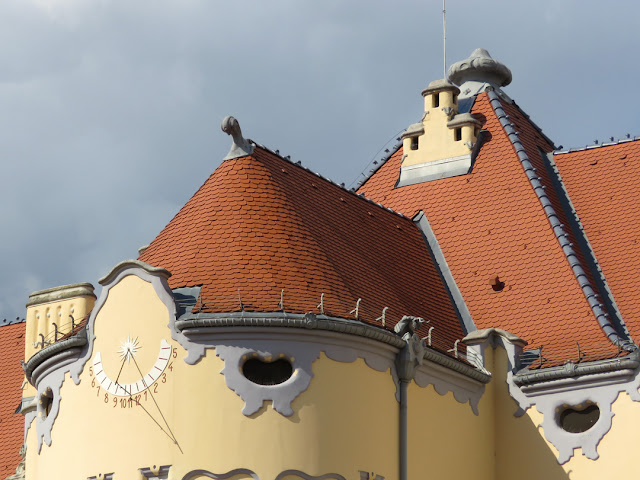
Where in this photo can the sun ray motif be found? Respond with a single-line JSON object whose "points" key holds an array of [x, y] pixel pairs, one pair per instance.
{"points": [[128, 348]]}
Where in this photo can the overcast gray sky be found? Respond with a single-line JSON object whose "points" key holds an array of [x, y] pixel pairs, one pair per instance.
{"points": [[110, 111]]}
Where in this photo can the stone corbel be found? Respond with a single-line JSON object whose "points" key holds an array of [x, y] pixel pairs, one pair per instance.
{"points": [[412, 355]]}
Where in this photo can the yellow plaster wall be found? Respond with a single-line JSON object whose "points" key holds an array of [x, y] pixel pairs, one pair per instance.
{"points": [[522, 451], [520, 448], [446, 439], [344, 422]]}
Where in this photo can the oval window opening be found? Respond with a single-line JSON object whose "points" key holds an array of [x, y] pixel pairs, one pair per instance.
{"points": [[267, 373], [575, 420]]}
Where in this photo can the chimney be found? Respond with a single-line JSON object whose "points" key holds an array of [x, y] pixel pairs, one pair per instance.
{"points": [[440, 145], [443, 143]]}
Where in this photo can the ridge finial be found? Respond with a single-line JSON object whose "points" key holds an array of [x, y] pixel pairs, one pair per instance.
{"points": [[241, 147], [480, 67]]}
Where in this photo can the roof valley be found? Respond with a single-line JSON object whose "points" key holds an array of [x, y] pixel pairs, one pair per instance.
{"points": [[562, 236]]}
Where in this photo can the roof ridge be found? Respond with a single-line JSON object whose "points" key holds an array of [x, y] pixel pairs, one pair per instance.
{"points": [[351, 191], [558, 229], [6, 322], [379, 163], [598, 145], [534, 124]]}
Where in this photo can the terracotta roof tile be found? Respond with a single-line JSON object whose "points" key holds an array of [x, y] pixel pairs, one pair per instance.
{"points": [[260, 225], [603, 186], [490, 224], [11, 377]]}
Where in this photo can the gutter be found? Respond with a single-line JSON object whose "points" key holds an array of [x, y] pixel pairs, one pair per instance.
{"points": [[194, 324], [570, 370]]}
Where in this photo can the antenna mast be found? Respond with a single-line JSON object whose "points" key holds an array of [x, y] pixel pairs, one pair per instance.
{"points": [[444, 36]]}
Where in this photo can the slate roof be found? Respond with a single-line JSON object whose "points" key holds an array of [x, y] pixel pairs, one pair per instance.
{"points": [[490, 224], [261, 227], [602, 183], [11, 377]]}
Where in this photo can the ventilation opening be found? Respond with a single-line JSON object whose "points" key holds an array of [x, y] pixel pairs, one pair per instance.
{"points": [[435, 100], [267, 373], [497, 285], [414, 143], [458, 134], [579, 418], [46, 400]]}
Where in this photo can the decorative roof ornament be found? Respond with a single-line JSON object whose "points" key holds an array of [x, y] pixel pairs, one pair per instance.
{"points": [[480, 67], [241, 147]]}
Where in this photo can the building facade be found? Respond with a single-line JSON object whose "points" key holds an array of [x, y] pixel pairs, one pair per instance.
{"points": [[468, 310]]}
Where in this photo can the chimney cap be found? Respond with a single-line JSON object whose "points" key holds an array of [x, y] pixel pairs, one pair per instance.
{"points": [[463, 119], [440, 86], [480, 67]]}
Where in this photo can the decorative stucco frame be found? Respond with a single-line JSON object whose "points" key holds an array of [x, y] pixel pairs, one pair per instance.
{"points": [[71, 355], [302, 347], [571, 385], [304, 338], [250, 473]]}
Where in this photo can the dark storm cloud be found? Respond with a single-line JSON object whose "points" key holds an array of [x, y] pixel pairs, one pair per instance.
{"points": [[111, 110]]}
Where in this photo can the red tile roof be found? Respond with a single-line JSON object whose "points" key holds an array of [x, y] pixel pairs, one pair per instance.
{"points": [[11, 377], [260, 226], [603, 184], [490, 224]]}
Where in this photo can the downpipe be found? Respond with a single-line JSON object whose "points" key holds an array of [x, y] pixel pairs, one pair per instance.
{"points": [[404, 385], [407, 361]]}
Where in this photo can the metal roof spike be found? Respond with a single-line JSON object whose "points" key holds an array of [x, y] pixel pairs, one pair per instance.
{"points": [[321, 305], [383, 316], [356, 310]]}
